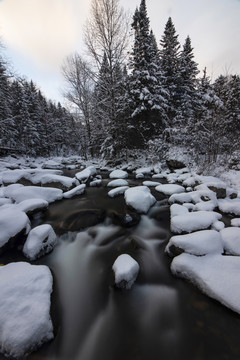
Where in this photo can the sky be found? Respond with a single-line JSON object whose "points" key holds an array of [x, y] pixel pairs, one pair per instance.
{"points": [[39, 34]]}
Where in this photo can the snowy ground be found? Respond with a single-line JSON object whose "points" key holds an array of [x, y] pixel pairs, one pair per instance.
{"points": [[203, 250]]}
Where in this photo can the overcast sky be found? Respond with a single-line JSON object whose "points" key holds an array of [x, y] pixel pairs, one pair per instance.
{"points": [[39, 34]]}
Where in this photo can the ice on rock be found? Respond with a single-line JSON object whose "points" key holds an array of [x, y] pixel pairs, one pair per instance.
{"points": [[78, 190], [25, 322], [169, 189], [231, 206], [85, 174], [231, 240], [22, 193], [118, 174], [193, 221], [117, 182], [139, 198], [235, 222], [125, 270], [198, 243], [12, 222], [216, 275], [40, 241], [117, 191]]}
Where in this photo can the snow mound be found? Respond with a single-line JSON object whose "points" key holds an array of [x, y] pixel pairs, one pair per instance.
{"points": [[194, 221], [41, 240], [198, 243], [235, 222], [169, 189], [151, 183], [195, 197], [117, 182], [139, 198], [22, 193], [85, 174], [51, 164], [231, 240], [231, 206], [216, 275], [25, 322], [125, 270], [12, 222], [118, 174], [64, 181], [78, 190], [32, 205], [144, 171], [4, 201], [117, 191]]}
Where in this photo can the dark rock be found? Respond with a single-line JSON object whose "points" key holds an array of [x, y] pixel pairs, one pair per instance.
{"points": [[220, 192], [174, 251], [83, 219], [126, 220], [175, 164]]}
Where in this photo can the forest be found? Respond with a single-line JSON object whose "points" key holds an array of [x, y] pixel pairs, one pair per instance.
{"points": [[124, 96]]}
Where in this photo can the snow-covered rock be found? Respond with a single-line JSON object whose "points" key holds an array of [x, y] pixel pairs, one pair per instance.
{"points": [[216, 275], [52, 180], [151, 183], [235, 222], [144, 171], [96, 183], [4, 201], [198, 243], [51, 164], [117, 182], [117, 191], [31, 205], [86, 174], [139, 198], [195, 197], [169, 189], [40, 241], [177, 209], [125, 270], [78, 190], [118, 174], [22, 193], [218, 225], [12, 222], [231, 240], [25, 322], [193, 221], [231, 206]]}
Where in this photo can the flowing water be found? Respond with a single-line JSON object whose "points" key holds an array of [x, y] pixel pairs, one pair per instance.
{"points": [[161, 317]]}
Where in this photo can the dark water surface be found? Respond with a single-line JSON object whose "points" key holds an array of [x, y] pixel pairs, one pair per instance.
{"points": [[161, 317]]}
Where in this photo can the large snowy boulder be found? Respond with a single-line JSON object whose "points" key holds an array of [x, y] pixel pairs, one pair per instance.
{"points": [[31, 205], [12, 222], [117, 191], [198, 243], [139, 198], [231, 240], [117, 182], [231, 206], [51, 164], [58, 181], [126, 271], [25, 322], [22, 193], [118, 174], [86, 174], [216, 275], [40, 241], [78, 190], [169, 189]]}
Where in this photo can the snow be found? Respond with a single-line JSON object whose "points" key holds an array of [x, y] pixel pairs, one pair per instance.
{"points": [[229, 206], [139, 198], [177, 209], [22, 193], [151, 183], [78, 190], [51, 164], [96, 182], [32, 205], [117, 191], [194, 221], [125, 270], [12, 222], [231, 240], [201, 195], [216, 275], [117, 182], [41, 240], [25, 322], [144, 170], [211, 181], [85, 174], [198, 243], [44, 179], [169, 189], [4, 201], [218, 225], [235, 222], [118, 174], [32, 175]]}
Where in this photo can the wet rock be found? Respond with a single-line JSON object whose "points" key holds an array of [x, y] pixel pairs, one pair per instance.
{"points": [[220, 192]]}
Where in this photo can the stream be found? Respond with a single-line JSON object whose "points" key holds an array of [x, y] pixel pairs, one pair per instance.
{"points": [[161, 317]]}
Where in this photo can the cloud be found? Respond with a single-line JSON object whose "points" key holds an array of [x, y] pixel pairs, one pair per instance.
{"points": [[44, 30]]}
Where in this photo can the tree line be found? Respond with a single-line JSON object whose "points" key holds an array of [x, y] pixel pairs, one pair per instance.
{"points": [[152, 95]]}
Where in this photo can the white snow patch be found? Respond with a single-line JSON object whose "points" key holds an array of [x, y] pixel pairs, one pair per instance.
{"points": [[25, 322], [139, 198], [125, 270]]}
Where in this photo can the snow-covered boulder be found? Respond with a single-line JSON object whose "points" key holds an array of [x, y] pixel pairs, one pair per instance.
{"points": [[216, 275], [78, 190], [40, 241], [196, 197], [231, 240], [169, 189], [139, 198], [12, 222], [117, 182], [235, 222], [177, 209], [231, 206], [20, 194], [4, 201], [118, 174], [198, 243], [51, 164], [151, 183], [126, 271], [117, 191], [144, 171], [193, 221], [51, 180], [86, 174], [25, 322], [95, 183], [31, 205]]}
